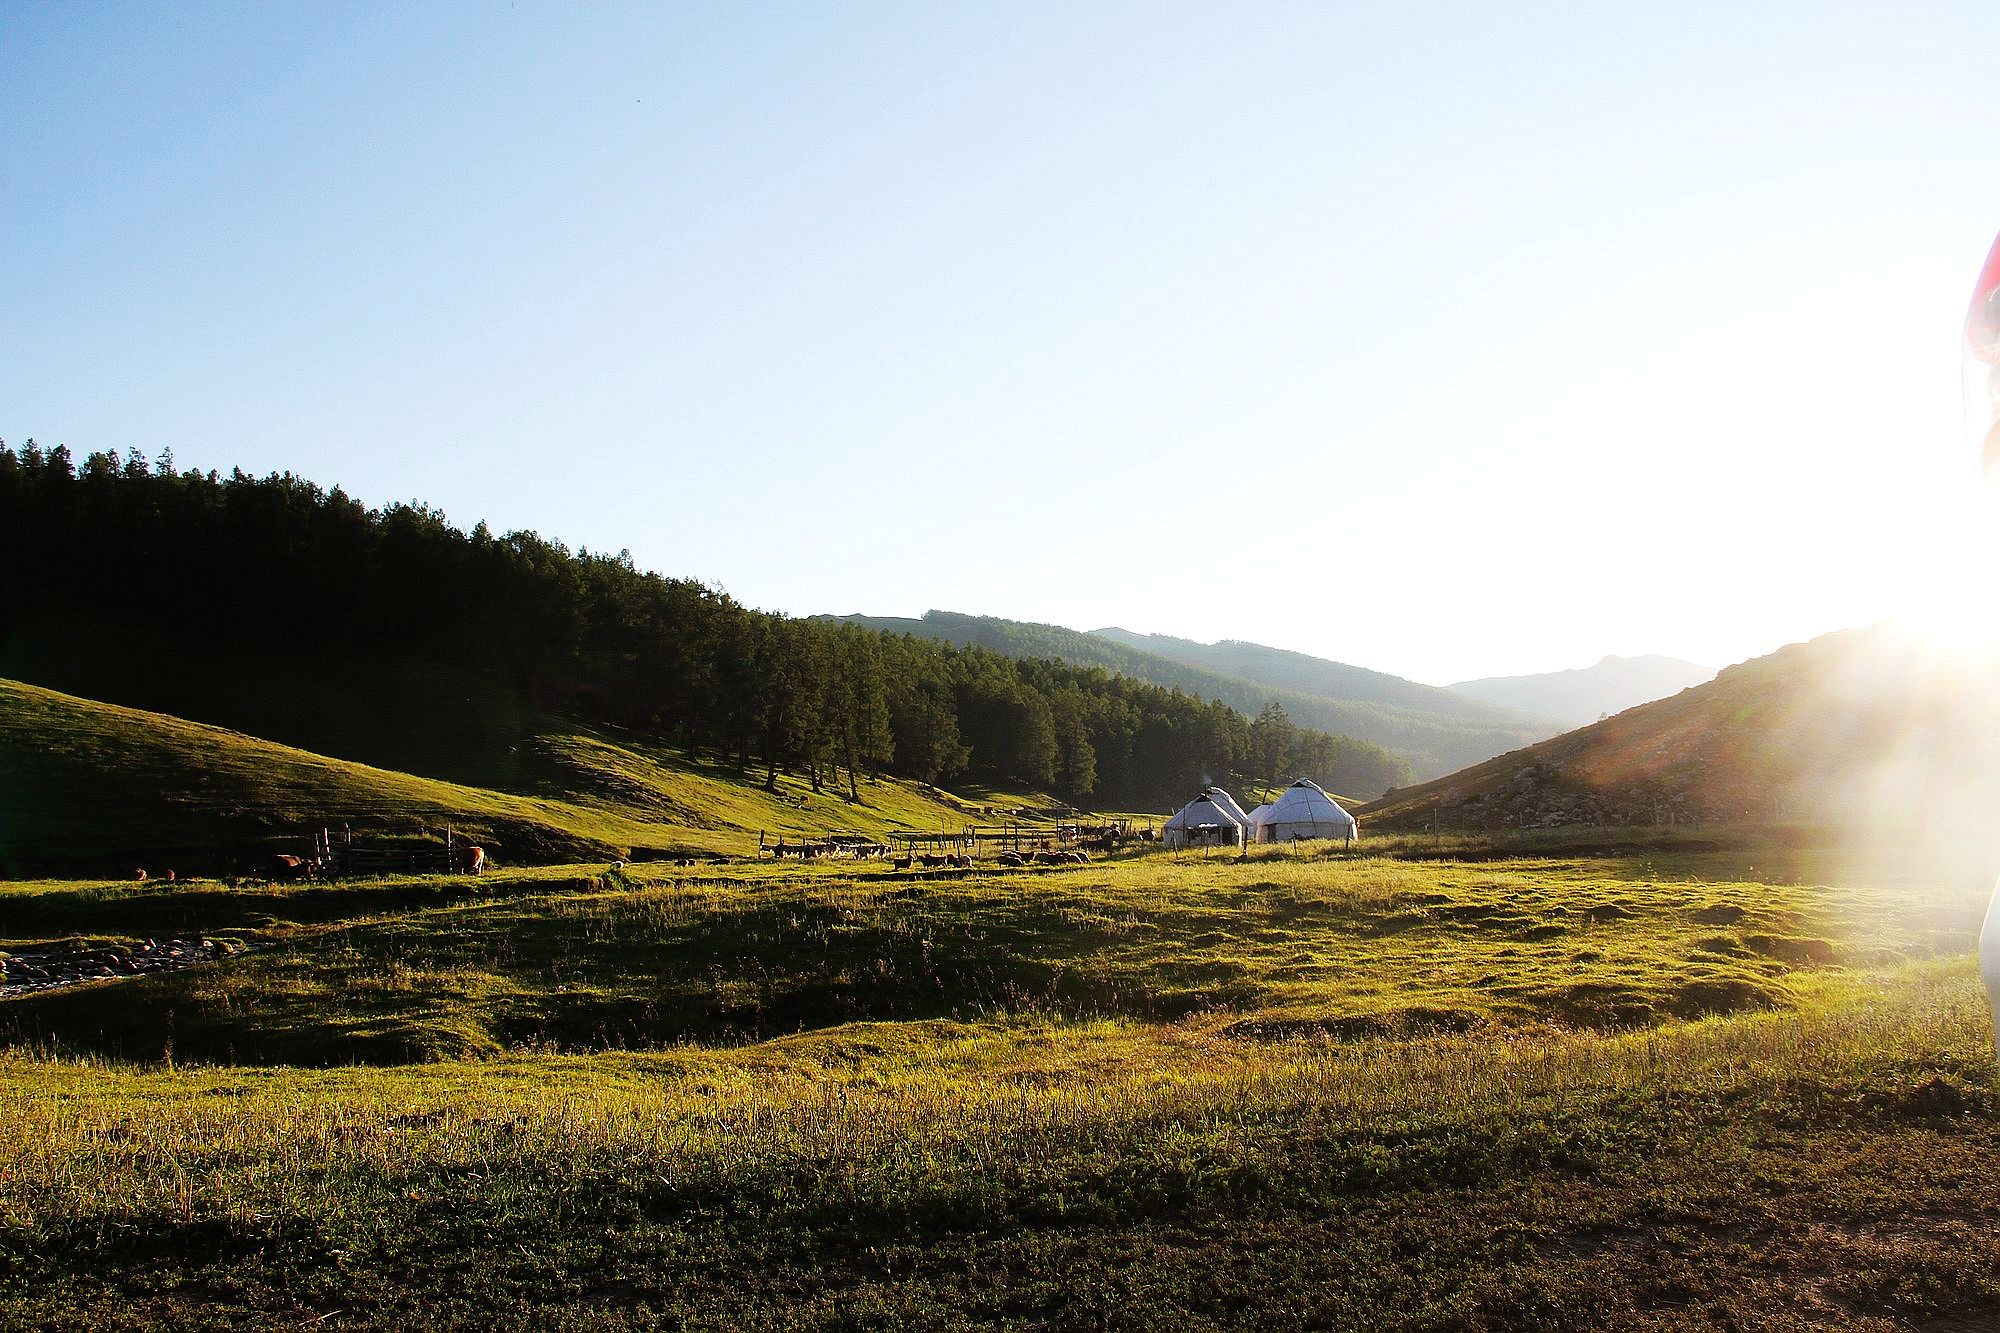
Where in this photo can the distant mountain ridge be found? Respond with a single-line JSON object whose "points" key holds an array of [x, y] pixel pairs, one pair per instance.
{"points": [[1284, 669], [1588, 693], [1433, 729]]}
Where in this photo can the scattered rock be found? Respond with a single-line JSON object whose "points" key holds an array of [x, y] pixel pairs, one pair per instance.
{"points": [[24, 973]]}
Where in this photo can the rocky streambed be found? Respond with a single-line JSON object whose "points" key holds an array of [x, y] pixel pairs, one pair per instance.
{"points": [[24, 973]]}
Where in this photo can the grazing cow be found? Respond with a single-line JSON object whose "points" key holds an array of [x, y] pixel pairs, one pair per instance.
{"points": [[932, 862], [900, 863], [138, 874], [473, 859], [295, 867], [962, 861], [1012, 859]]}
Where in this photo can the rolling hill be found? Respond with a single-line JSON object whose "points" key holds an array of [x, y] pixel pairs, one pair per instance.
{"points": [[1858, 728], [91, 786], [1588, 693], [1433, 729]]}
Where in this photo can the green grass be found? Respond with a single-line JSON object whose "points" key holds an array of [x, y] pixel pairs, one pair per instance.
{"points": [[84, 783], [398, 970], [1729, 1082]]}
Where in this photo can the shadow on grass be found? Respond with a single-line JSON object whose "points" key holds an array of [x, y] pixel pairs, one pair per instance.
{"points": [[471, 977]]}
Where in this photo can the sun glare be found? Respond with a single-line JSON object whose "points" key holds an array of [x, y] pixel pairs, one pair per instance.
{"points": [[1952, 634], [1951, 600]]}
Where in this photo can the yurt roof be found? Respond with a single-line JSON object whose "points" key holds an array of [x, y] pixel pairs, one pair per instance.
{"points": [[1305, 802], [1227, 802], [1201, 810]]}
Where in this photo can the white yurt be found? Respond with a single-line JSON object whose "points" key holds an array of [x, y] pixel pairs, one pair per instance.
{"points": [[1227, 802], [1305, 811], [1202, 823], [1255, 821]]}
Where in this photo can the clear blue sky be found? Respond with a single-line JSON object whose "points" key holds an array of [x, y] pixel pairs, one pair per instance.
{"points": [[1447, 340]]}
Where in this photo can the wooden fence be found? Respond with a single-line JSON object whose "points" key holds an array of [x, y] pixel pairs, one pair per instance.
{"points": [[969, 840], [342, 856], [974, 838], [829, 844]]}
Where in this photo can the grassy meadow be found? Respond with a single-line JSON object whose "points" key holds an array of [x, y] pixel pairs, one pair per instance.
{"points": [[1718, 1081]]}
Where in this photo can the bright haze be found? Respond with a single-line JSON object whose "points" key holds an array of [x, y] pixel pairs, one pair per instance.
{"points": [[1451, 341]]}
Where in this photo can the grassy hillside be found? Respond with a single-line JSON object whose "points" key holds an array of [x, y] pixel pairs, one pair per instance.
{"points": [[1713, 1084], [1859, 729], [92, 784], [346, 702], [1432, 729]]}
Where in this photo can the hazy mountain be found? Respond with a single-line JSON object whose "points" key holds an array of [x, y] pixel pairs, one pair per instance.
{"points": [[1858, 728], [1434, 729], [1283, 669], [1588, 693]]}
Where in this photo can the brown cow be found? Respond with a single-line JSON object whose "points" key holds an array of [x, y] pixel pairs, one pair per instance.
{"points": [[474, 859], [295, 867]]}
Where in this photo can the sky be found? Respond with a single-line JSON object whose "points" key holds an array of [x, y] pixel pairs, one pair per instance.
{"points": [[1448, 340]]}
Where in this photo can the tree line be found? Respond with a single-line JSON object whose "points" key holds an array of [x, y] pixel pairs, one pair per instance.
{"points": [[278, 560]]}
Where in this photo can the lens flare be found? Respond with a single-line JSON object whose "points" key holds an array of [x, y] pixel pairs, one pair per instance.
{"points": [[1981, 357]]}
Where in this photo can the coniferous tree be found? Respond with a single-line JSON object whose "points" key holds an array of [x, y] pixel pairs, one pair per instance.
{"points": [[278, 563]]}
